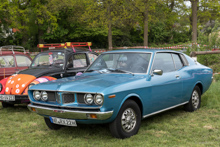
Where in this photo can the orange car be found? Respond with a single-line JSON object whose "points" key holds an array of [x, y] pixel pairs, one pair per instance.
{"points": [[61, 60]]}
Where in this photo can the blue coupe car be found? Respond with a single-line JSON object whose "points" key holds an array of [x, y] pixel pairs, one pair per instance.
{"points": [[122, 87]]}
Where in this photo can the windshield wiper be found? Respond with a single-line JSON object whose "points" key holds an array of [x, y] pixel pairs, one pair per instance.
{"points": [[119, 70], [91, 70]]}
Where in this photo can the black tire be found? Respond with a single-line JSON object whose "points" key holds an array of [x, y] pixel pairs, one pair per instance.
{"points": [[51, 125], [5, 105], [120, 130], [195, 100]]}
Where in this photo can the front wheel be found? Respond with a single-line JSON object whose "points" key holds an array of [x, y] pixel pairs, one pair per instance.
{"points": [[127, 122], [195, 100], [51, 125]]}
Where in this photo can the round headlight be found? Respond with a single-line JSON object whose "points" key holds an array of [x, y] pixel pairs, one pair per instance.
{"points": [[44, 96], [0, 87], [98, 99], [37, 95], [88, 98], [32, 84]]}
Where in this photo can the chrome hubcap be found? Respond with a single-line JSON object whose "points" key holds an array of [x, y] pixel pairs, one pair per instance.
{"points": [[128, 120], [195, 99]]}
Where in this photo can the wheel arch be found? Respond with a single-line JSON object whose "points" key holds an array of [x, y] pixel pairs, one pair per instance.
{"points": [[200, 85], [136, 98]]}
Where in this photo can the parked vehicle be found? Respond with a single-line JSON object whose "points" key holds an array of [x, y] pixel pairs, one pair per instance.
{"points": [[122, 87], [13, 59], [58, 62]]}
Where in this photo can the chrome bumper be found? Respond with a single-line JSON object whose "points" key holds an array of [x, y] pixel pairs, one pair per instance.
{"points": [[64, 113]]}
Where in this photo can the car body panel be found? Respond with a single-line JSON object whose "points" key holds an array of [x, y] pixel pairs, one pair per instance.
{"points": [[153, 93]]}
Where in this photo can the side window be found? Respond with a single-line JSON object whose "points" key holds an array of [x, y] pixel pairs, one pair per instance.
{"points": [[77, 61], [22, 61], [177, 61], [7, 61], [92, 57], [163, 61]]}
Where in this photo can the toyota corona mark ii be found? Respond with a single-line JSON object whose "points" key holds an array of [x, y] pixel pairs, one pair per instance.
{"points": [[121, 88], [60, 61]]}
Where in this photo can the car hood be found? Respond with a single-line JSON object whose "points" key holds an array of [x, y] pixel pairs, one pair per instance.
{"points": [[17, 83], [88, 82], [40, 71]]}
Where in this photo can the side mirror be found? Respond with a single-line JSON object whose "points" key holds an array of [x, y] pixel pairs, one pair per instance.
{"points": [[158, 72]]}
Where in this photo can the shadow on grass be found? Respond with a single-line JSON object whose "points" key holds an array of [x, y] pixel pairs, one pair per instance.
{"points": [[102, 130], [15, 108]]}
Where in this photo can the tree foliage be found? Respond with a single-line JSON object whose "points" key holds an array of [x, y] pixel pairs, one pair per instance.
{"points": [[106, 23]]}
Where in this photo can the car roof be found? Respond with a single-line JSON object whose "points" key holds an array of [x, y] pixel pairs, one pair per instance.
{"points": [[11, 53], [141, 50], [77, 50]]}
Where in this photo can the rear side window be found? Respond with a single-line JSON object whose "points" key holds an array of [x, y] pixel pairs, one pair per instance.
{"points": [[22, 61], [177, 61], [7, 61], [77, 61], [92, 57]]}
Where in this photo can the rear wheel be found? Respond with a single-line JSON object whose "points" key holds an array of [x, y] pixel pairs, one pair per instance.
{"points": [[127, 122], [51, 125], [5, 105], [195, 100]]}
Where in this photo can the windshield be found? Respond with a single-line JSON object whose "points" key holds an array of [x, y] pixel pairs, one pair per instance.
{"points": [[53, 58], [121, 62]]}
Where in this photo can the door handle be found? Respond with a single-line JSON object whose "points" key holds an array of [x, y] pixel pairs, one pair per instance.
{"points": [[177, 76]]}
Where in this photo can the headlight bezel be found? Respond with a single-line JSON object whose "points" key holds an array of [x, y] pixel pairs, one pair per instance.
{"points": [[34, 95], [86, 96], [43, 94], [100, 97]]}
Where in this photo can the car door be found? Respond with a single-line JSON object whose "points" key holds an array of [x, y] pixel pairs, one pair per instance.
{"points": [[77, 62], [166, 88], [7, 66]]}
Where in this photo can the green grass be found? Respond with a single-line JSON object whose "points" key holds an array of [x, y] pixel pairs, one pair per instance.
{"points": [[20, 127]]}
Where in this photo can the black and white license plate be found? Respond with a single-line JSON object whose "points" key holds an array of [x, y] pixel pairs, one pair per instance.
{"points": [[7, 97], [61, 121]]}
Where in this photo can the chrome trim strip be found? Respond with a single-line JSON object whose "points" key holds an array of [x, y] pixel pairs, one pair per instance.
{"points": [[64, 91], [66, 106], [164, 109], [71, 114]]}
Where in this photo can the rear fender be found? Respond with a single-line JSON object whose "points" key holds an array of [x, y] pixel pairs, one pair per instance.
{"points": [[38, 81]]}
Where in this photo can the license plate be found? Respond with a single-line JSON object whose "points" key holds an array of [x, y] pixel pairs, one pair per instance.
{"points": [[61, 121], [7, 97]]}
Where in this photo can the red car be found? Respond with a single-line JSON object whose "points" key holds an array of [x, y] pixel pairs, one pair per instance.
{"points": [[12, 60]]}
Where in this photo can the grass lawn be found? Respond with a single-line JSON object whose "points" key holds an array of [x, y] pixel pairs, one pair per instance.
{"points": [[20, 127]]}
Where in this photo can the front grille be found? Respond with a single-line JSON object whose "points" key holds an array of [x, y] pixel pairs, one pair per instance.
{"points": [[80, 98], [68, 98], [51, 96]]}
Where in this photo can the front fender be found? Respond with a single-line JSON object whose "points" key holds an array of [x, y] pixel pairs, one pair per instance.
{"points": [[131, 95], [37, 81], [3, 82]]}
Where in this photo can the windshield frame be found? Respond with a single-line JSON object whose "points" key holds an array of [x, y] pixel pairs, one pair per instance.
{"points": [[138, 52], [49, 65]]}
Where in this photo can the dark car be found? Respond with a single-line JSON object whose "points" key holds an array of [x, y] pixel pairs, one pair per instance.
{"points": [[62, 61], [13, 59]]}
